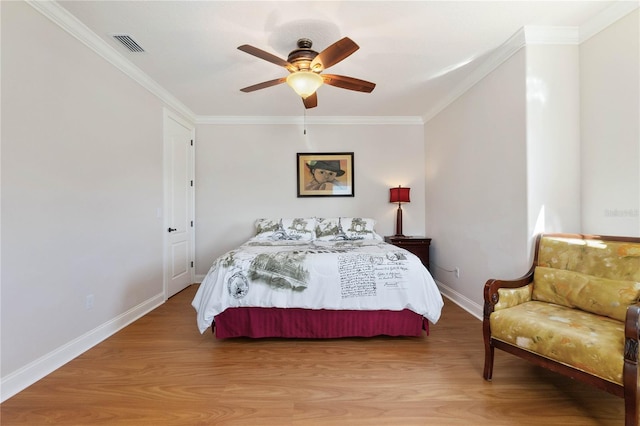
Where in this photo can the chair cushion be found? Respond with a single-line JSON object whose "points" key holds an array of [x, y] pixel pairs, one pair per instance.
{"points": [[588, 342]]}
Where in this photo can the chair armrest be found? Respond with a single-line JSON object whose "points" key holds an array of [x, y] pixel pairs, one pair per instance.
{"points": [[630, 371], [632, 333], [491, 287]]}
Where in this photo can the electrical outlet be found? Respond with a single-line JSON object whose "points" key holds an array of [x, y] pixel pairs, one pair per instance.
{"points": [[88, 302], [457, 271]]}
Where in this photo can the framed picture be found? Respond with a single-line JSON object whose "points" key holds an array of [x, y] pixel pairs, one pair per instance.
{"points": [[327, 174]]}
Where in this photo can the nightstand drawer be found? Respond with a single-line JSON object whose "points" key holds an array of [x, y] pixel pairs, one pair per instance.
{"points": [[416, 245]]}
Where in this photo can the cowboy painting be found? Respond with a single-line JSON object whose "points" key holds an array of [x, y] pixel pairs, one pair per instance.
{"points": [[324, 175]]}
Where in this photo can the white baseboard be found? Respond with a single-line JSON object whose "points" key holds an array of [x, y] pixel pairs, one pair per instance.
{"points": [[465, 303], [199, 278], [36, 370]]}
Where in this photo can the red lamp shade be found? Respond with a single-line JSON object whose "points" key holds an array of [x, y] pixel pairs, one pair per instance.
{"points": [[399, 195]]}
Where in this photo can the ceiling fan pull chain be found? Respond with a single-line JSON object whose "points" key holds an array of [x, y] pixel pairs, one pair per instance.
{"points": [[304, 122]]}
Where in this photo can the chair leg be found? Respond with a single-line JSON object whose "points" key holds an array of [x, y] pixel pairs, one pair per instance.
{"points": [[488, 360], [630, 408], [631, 393], [488, 346]]}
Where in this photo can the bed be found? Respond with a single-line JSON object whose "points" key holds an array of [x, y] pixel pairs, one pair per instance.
{"points": [[317, 278]]}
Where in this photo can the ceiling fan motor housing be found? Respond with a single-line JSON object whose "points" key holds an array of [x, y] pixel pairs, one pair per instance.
{"points": [[302, 56]]}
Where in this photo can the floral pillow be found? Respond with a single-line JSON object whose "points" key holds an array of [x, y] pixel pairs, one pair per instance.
{"points": [[286, 229], [345, 228]]}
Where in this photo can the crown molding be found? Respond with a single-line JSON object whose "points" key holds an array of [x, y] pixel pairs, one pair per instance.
{"points": [[320, 120], [529, 35], [77, 29], [495, 59], [536, 35], [616, 11]]}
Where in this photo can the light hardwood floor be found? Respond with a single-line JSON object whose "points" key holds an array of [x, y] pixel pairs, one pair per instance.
{"points": [[162, 371]]}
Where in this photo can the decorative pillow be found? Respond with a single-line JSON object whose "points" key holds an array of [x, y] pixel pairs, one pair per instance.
{"points": [[299, 228], [615, 260], [346, 228], [510, 297], [601, 296]]}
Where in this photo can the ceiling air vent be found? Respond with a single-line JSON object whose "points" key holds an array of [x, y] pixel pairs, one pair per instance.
{"points": [[128, 42]]}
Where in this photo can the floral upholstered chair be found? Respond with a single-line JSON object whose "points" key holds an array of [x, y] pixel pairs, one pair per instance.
{"points": [[575, 312]]}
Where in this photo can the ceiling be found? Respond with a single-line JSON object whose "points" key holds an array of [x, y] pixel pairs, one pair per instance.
{"points": [[417, 52]]}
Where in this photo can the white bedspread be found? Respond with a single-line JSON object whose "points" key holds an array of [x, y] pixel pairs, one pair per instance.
{"points": [[354, 275]]}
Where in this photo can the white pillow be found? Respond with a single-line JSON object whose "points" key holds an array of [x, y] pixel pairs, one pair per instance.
{"points": [[290, 229], [346, 228]]}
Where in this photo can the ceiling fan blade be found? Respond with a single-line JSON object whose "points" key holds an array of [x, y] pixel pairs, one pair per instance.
{"points": [[334, 54], [311, 101], [349, 83], [264, 85], [259, 53]]}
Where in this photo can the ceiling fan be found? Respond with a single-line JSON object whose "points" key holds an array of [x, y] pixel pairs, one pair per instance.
{"points": [[306, 65]]}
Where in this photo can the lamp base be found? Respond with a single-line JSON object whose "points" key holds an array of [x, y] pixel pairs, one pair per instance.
{"points": [[399, 222]]}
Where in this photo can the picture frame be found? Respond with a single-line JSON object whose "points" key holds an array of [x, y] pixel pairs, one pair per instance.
{"points": [[325, 174]]}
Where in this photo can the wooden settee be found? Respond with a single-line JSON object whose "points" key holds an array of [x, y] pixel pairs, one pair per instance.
{"points": [[575, 312]]}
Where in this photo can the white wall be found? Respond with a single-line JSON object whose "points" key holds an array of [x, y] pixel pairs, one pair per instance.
{"points": [[81, 182], [553, 139], [501, 167], [610, 128], [245, 172], [476, 198]]}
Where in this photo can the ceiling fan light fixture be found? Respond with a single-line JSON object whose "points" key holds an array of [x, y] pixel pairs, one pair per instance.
{"points": [[304, 83]]}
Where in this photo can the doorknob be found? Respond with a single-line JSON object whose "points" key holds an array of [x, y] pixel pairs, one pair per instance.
{"points": [[171, 229]]}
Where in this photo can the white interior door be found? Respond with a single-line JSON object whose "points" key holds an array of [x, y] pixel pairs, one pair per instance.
{"points": [[179, 204]]}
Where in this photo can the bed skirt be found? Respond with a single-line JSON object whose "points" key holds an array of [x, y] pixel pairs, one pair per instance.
{"points": [[316, 324]]}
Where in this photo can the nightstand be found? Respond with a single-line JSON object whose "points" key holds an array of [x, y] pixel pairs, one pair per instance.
{"points": [[416, 245]]}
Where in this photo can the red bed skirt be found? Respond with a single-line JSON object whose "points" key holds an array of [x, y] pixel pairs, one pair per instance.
{"points": [[316, 324]]}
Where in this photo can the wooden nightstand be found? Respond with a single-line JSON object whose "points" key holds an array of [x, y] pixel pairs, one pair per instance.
{"points": [[416, 245]]}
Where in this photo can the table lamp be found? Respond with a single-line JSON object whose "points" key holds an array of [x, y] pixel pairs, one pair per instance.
{"points": [[399, 195]]}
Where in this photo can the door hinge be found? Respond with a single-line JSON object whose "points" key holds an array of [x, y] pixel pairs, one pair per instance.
{"points": [[191, 183], [192, 264], [192, 224], [191, 142]]}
